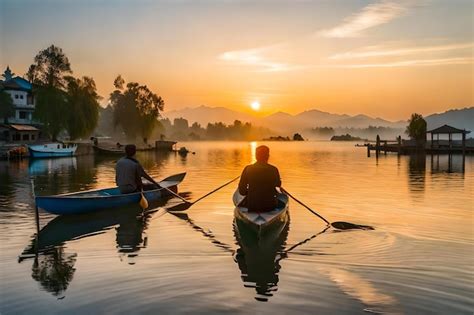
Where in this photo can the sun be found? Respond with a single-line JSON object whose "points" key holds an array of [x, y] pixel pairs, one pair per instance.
{"points": [[255, 105]]}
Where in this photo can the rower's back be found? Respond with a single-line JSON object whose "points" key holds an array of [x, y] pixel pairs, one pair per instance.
{"points": [[258, 182]]}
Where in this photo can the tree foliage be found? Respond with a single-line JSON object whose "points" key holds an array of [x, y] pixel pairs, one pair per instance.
{"points": [[50, 68], [82, 101], [416, 128], [62, 101], [51, 110], [7, 109], [136, 108]]}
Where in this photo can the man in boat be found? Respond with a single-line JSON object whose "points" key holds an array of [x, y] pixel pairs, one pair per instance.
{"points": [[129, 172], [258, 182]]}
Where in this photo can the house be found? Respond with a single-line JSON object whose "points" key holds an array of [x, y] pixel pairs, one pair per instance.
{"points": [[19, 128], [21, 93]]}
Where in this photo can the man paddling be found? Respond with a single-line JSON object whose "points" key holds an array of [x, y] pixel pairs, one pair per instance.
{"points": [[258, 182], [129, 172]]}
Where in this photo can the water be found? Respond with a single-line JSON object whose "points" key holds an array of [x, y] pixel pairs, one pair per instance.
{"points": [[418, 260]]}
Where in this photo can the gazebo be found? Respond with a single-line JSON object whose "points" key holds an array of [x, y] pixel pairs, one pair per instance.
{"points": [[449, 130]]}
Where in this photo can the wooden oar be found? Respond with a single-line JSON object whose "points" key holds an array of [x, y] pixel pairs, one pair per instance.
{"points": [[143, 202], [187, 204], [340, 225]]}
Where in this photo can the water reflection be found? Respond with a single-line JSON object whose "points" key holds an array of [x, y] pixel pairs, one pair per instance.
{"points": [[376, 301], [53, 268], [448, 163], [417, 173], [44, 166], [258, 258]]}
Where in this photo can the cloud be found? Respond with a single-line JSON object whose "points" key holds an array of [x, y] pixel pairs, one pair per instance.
{"points": [[410, 63], [370, 16], [378, 51], [255, 57]]}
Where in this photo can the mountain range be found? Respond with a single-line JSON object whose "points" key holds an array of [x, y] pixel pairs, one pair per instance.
{"points": [[284, 122]]}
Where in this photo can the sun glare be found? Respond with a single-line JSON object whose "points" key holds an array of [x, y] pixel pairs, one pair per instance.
{"points": [[255, 105]]}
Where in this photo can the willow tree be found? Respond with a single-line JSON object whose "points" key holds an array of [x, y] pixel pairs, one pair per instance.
{"points": [[136, 108], [416, 128], [82, 102], [48, 74]]}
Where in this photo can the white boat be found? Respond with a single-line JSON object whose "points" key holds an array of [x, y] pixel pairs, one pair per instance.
{"points": [[52, 150]]}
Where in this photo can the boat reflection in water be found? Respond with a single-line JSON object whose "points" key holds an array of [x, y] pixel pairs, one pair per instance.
{"points": [[54, 269], [259, 257]]}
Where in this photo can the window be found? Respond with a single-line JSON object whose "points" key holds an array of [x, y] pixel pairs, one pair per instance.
{"points": [[16, 137], [16, 96], [23, 114], [33, 137], [21, 96], [26, 137]]}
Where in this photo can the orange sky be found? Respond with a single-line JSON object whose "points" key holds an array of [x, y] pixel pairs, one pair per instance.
{"points": [[381, 58]]}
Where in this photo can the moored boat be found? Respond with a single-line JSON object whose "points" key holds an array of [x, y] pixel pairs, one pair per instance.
{"points": [[109, 151], [261, 222], [49, 150], [95, 200]]}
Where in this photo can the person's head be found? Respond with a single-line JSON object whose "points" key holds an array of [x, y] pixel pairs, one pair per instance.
{"points": [[262, 153], [130, 150]]}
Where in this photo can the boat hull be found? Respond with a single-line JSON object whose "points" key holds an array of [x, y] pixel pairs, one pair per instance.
{"points": [[95, 200], [51, 150], [105, 151], [261, 223]]}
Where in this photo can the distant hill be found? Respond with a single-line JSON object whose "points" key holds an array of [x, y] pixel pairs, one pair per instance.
{"points": [[459, 118], [204, 115], [287, 123]]}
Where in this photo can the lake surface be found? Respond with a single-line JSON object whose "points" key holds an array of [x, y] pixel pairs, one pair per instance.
{"points": [[418, 260]]}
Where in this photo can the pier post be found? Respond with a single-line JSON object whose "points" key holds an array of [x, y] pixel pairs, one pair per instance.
{"points": [[368, 149], [377, 146], [399, 140]]}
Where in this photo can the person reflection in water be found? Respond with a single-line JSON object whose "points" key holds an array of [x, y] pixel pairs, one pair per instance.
{"points": [[129, 173], [258, 182]]}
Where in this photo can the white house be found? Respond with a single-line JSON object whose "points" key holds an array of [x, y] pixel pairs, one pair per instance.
{"points": [[19, 128], [20, 91]]}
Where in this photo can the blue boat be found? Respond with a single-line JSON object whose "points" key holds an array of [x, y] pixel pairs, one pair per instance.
{"points": [[95, 200], [49, 150]]}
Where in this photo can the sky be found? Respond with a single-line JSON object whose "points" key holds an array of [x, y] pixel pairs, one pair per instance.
{"points": [[381, 58]]}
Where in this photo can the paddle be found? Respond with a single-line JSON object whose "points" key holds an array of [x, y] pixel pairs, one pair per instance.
{"points": [[340, 225], [187, 204], [143, 202]]}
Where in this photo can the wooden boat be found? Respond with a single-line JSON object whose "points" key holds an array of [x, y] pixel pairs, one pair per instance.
{"points": [[94, 200], [49, 150], [264, 221], [108, 151]]}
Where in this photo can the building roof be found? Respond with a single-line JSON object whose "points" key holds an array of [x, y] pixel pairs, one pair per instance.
{"points": [[17, 83], [23, 127], [14, 83], [448, 129]]}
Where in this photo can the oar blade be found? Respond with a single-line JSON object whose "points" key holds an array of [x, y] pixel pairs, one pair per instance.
{"points": [[143, 202], [341, 225]]}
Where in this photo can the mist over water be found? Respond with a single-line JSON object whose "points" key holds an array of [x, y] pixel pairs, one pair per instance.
{"points": [[417, 260]]}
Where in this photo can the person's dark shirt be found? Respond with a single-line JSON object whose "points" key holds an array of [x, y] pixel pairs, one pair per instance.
{"points": [[257, 183], [128, 174]]}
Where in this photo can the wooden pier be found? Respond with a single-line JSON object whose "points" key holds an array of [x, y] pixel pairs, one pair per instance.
{"points": [[435, 146]]}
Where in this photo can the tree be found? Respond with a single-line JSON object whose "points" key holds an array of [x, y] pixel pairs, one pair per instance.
{"points": [[51, 110], [136, 108], [416, 128], [48, 75], [7, 109], [82, 102], [50, 68]]}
